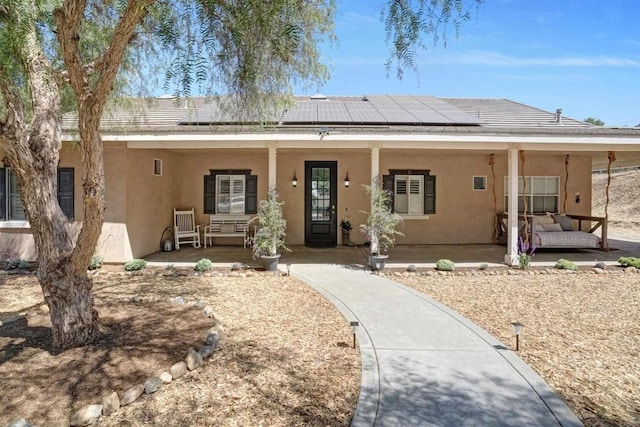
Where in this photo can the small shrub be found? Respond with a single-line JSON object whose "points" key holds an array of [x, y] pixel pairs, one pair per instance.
{"points": [[135, 265], [203, 265], [629, 261], [483, 266], [565, 264], [96, 262], [445, 265]]}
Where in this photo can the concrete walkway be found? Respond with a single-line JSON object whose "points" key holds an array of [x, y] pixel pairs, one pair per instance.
{"points": [[425, 365]]}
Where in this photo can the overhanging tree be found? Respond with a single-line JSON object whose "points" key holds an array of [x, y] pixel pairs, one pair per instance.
{"points": [[85, 50]]}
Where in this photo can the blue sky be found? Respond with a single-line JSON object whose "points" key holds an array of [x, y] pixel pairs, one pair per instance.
{"points": [[579, 55]]}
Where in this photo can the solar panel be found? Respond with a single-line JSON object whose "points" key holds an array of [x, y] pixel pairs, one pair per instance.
{"points": [[302, 111], [392, 111], [363, 112], [333, 112]]}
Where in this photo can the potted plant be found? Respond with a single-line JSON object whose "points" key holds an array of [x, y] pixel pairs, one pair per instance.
{"points": [[345, 226], [270, 232], [381, 226]]}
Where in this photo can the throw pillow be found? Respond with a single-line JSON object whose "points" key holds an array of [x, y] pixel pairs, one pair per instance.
{"points": [[564, 221], [552, 227], [544, 220]]}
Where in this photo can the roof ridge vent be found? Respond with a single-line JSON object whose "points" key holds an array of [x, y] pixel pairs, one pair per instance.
{"points": [[318, 97]]}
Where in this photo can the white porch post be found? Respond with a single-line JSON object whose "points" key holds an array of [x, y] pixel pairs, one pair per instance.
{"points": [[511, 257], [273, 152], [375, 173]]}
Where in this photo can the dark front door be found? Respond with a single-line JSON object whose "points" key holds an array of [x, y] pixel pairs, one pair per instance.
{"points": [[320, 197]]}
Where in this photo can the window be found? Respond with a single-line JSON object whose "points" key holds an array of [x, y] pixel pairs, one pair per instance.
{"points": [[11, 208], [157, 167], [479, 183], [230, 192], [413, 191], [542, 193]]}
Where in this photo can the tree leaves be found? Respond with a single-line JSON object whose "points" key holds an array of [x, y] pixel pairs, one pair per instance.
{"points": [[406, 22]]}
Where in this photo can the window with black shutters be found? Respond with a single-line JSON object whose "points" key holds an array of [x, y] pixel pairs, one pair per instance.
{"points": [[413, 192], [230, 192], [11, 208]]}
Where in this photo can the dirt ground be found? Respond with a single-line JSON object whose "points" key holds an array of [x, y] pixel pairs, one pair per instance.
{"points": [[284, 360], [581, 333], [624, 200]]}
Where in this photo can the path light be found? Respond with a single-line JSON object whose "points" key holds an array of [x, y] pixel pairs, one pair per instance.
{"points": [[354, 324], [517, 329]]}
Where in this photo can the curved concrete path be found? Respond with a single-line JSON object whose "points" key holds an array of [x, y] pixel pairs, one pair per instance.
{"points": [[423, 364]]}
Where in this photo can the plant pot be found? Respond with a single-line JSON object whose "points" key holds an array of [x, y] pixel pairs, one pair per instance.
{"points": [[270, 262], [377, 262], [346, 238]]}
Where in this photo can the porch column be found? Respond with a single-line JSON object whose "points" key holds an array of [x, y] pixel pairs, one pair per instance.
{"points": [[273, 152], [375, 162], [375, 180], [511, 257]]}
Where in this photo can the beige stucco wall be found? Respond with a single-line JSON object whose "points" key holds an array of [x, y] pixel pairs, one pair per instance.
{"points": [[464, 215], [140, 204]]}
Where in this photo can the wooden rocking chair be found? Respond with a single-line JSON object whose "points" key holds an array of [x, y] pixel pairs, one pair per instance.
{"points": [[185, 228]]}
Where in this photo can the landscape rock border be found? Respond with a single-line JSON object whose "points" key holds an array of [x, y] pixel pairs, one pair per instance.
{"points": [[90, 414]]}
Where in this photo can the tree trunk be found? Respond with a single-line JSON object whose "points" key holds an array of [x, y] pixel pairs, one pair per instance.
{"points": [[32, 152], [74, 320]]}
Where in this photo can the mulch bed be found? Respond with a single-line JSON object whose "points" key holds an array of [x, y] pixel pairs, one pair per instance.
{"points": [[282, 361]]}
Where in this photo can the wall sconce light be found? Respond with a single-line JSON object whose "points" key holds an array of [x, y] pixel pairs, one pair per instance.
{"points": [[517, 330], [347, 182], [577, 197], [294, 181]]}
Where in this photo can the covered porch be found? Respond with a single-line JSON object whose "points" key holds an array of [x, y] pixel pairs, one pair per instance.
{"points": [[402, 255]]}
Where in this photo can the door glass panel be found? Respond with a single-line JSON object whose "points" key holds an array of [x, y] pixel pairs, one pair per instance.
{"points": [[320, 194]]}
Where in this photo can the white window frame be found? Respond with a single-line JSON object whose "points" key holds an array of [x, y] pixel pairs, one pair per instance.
{"points": [[537, 187], [157, 167], [414, 197], [235, 196], [484, 183]]}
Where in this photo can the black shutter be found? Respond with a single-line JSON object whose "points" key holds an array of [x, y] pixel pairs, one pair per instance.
{"points": [[429, 194], [388, 182], [210, 194], [3, 194], [65, 192], [251, 194]]}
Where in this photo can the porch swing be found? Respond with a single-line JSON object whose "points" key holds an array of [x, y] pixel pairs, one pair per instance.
{"points": [[557, 231]]}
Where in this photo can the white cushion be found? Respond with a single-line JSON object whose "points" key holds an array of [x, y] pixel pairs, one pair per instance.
{"points": [[552, 227]]}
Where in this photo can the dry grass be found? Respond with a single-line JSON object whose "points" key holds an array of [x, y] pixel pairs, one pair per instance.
{"points": [[582, 333], [282, 361]]}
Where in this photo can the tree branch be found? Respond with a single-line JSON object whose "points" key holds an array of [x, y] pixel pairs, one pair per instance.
{"points": [[67, 20], [107, 64]]}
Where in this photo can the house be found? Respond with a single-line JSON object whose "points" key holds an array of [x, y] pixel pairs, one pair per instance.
{"points": [[449, 163]]}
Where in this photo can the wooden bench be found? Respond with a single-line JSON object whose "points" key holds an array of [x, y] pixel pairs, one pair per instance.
{"points": [[227, 226]]}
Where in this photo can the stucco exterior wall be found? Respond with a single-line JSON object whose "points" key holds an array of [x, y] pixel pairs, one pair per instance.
{"points": [[464, 215], [150, 198], [351, 200], [140, 204]]}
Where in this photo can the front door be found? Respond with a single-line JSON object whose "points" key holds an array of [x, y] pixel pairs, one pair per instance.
{"points": [[320, 197]]}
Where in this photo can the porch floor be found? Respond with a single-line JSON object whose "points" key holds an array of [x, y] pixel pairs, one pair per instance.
{"points": [[401, 255]]}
